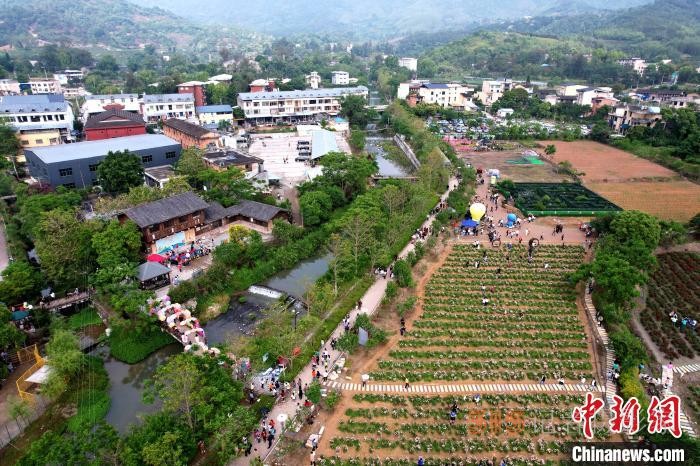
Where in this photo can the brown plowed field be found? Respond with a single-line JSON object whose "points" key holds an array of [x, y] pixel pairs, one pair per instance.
{"points": [[605, 163]]}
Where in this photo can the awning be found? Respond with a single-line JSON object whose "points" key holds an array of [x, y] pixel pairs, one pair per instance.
{"points": [[469, 223]]}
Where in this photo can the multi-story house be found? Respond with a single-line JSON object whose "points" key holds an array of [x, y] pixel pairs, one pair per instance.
{"points": [[313, 80], [196, 88], [340, 78], [447, 95], [623, 118], [40, 120], [9, 87], [410, 63], [159, 107], [99, 103], [492, 90], [44, 86], [295, 106], [639, 65], [585, 96], [210, 116]]}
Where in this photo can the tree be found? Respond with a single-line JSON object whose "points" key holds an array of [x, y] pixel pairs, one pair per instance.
{"points": [[190, 164], [120, 171], [20, 282], [64, 245], [107, 65], [179, 384], [9, 143], [354, 108], [117, 246], [226, 187], [600, 132], [358, 232], [551, 149], [65, 359], [315, 207], [10, 335], [357, 140]]}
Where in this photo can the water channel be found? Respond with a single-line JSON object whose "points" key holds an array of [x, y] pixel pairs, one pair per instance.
{"points": [[126, 380], [387, 167]]}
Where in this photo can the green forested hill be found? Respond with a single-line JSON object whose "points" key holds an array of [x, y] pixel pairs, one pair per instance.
{"points": [[583, 46], [663, 29], [106, 24]]}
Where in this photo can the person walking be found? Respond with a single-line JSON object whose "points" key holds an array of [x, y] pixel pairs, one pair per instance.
{"points": [[542, 380], [405, 385]]}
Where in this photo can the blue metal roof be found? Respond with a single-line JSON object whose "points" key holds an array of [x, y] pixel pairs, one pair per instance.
{"points": [[306, 94], [88, 149], [322, 142], [33, 103], [214, 109], [158, 98], [435, 86]]}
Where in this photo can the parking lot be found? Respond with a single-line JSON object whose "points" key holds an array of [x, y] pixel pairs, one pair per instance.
{"points": [[275, 148]]}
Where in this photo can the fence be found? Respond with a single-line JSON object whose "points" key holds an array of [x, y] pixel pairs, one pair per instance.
{"points": [[15, 427], [22, 384]]}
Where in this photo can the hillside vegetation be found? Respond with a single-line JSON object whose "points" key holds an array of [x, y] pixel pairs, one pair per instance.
{"points": [[663, 29], [104, 24], [362, 19]]}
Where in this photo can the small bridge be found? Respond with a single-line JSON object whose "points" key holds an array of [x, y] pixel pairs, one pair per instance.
{"points": [[66, 302]]}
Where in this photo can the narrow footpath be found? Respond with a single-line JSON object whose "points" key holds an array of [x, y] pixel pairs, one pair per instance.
{"points": [[370, 303]]}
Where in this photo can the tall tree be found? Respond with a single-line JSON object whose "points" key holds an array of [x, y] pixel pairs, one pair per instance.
{"points": [[120, 171], [63, 244], [178, 384]]}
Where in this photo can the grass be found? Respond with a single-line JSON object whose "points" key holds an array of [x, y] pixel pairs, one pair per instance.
{"points": [[85, 317], [88, 392], [131, 346]]}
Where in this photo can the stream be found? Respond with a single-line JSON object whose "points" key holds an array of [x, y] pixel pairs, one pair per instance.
{"points": [[387, 167], [126, 380]]}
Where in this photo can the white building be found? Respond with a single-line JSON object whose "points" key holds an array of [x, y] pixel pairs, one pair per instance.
{"points": [[98, 103], [222, 78], [586, 95], [504, 112], [44, 86], [313, 80], [210, 116], [295, 106], [74, 92], [637, 64], [9, 87], [491, 91], [447, 95], [410, 63], [340, 78], [157, 107], [569, 89], [40, 120]]}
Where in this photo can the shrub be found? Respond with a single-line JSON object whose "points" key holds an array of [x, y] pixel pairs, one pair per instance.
{"points": [[392, 290], [402, 272], [87, 316], [313, 393], [132, 345]]}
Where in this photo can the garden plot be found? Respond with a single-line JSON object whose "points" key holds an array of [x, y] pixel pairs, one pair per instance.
{"points": [[563, 199], [530, 314], [515, 172], [675, 286], [531, 327]]}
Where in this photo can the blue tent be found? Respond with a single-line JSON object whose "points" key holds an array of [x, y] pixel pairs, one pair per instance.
{"points": [[19, 315], [469, 223]]}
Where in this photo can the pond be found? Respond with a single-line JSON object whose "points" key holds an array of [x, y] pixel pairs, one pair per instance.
{"points": [[297, 281], [387, 167], [126, 385], [126, 380]]}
